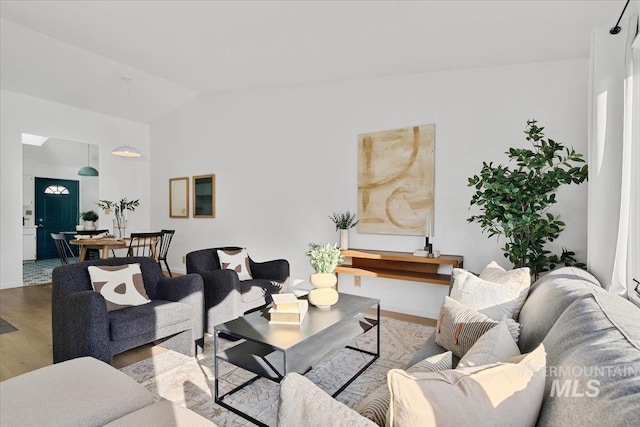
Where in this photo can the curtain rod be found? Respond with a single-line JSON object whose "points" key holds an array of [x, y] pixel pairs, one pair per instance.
{"points": [[616, 28]]}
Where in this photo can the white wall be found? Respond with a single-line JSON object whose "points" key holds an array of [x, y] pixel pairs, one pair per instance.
{"points": [[286, 159], [119, 177]]}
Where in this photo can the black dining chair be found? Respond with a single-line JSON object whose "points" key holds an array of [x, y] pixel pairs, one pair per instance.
{"points": [[144, 244], [165, 241], [62, 246]]}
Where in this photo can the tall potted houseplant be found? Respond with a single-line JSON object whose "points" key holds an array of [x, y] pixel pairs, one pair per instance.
{"points": [[324, 259], [514, 202], [343, 222]]}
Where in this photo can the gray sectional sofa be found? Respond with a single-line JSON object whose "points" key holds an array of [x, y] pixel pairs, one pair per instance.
{"points": [[592, 340], [86, 392]]}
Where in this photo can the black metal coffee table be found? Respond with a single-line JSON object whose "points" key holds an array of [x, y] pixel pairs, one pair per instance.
{"points": [[272, 350]]}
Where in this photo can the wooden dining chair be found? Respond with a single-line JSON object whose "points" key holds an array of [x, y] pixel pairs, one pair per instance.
{"points": [[167, 235], [62, 246], [144, 244]]}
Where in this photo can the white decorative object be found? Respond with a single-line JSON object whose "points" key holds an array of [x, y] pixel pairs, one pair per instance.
{"points": [[89, 225], [344, 239], [323, 280], [324, 260], [119, 226], [323, 298]]}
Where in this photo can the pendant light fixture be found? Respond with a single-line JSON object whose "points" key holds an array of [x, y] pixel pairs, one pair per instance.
{"points": [[127, 150], [88, 170]]}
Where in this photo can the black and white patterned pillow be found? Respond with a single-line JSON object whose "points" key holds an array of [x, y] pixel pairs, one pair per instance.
{"points": [[120, 285], [236, 260]]}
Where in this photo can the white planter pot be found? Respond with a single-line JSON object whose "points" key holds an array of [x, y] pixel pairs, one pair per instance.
{"points": [[323, 298], [323, 280], [344, 240], [89, 225]]}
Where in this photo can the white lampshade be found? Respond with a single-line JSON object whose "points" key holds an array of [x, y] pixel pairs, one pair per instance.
{"points": [[126, 151]]}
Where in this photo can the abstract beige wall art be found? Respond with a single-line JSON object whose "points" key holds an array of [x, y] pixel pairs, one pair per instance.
{"points": [[396, 181]]}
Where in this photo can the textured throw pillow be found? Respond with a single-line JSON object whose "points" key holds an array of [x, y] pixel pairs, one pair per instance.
{"points": [[496, 345], [518, 279], [491, 299], [236, 260], [458, 327], [376, 405], [503, 394], [120, 285]]}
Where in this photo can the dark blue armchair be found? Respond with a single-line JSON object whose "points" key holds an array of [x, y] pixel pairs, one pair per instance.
{"points": [[82, 326]]}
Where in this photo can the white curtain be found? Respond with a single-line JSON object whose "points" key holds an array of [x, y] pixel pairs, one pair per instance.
{"points": [[626, 262], [633, 267]]}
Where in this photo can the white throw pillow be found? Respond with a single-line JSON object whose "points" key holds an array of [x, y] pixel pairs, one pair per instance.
{"points": [[496, 345], [518, 278], [236, 260], [120, 285], [505, 394], [494, 300]]}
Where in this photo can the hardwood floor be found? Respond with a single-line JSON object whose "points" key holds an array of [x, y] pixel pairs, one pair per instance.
{"points": [[28, 308]]}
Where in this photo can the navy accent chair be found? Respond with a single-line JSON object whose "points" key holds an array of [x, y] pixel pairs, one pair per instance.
{"points": [[225, 296], [82, 326]]}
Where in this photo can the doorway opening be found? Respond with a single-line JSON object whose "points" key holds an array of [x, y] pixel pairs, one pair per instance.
{"points": [[54, 195]]}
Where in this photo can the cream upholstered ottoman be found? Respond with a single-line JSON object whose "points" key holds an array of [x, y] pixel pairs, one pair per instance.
{"points": [[85, 392]]}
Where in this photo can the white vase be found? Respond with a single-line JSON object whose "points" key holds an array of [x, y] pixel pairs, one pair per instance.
{"points": [[323, 280], [89, 225], [323, 296], [344, 239], [119, 227]]}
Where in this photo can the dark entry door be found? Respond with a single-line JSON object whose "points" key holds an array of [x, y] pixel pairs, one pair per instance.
{"points": [[57, 203]]}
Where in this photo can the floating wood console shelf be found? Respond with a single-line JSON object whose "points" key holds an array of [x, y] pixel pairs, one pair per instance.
{"points": [[398, 265]]}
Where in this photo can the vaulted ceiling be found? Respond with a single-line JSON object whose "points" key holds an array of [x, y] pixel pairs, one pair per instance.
{"points": [[74, 52]]}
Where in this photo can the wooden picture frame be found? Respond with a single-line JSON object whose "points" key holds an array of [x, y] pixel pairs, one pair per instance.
{"points": [[179, 197], [204, 196]]}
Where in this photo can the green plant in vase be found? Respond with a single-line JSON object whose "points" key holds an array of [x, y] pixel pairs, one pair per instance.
{"points": [[324, 259], [119, 209], [89, 218], [515, 202], [343, 222]]}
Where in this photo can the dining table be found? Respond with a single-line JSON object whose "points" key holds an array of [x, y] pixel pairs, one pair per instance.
{"points": [[106, 244]]}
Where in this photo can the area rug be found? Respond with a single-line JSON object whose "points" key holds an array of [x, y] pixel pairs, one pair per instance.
{"points": [[190, 381]]}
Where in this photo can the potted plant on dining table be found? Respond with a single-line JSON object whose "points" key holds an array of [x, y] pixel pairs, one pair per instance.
{"points": [[89, 218], [119, 209]]}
